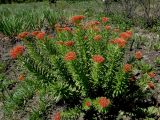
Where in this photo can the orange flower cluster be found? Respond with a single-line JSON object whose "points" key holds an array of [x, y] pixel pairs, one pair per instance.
{"points": [[92, 25], [120, 41], [150, 85], [152, 74], [70, 56], [97, 37], [138, 55], [88, 103], [77, 18], [40, 35], [57, 116], [23, 35], [35, 33], [103, 102], [127, 68], [107, 27], [69, 43], [126, 35], [67, 29], [16, 51], [21, 77], [98, 58], [105, 19]]}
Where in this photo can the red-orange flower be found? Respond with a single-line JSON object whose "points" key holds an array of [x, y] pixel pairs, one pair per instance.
{"points": [[77, 18], [107, 27], [21, 77], [104, 19], [126, 35], [138, 55], [70, 56], [121, 42], [34, 33], [69, 43], [98, 58], [129, 32], [67, 29], [23, 35], [88, 103], [92, 23], [16, 51], [41, 35], [97, 37], [127, 68], [57, 116], [103, 102], [150, 85], [152, 74]]}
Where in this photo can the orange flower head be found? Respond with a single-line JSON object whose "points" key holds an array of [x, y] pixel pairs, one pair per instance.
{"points": [[105, 19], [127, 68], [16, 51], [97, 37], [57, 116], [92, 23], [103, 102], [34, 33], [152, 74], [40, 35], [107, 27], [23, 35], [98, 58], [138, 55], [126, 35], [21, 77], [121, 42], [67, 29], [70, 56], [129, 32], [150, 85], [88, 103], [77, 18], [69, 43], [95, 22]]}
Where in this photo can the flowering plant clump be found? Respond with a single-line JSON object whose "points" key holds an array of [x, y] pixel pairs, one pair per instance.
{"points": [[83, 66]]}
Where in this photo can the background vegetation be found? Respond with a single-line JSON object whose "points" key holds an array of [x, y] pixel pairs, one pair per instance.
{"points": [[32, 99]]}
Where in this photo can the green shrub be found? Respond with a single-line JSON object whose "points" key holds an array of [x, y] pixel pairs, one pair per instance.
{"points": [[82, 66]]}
